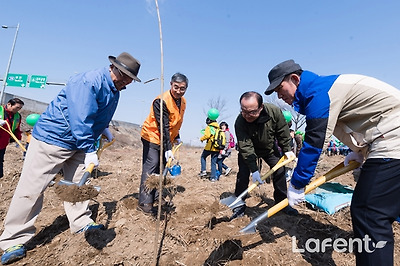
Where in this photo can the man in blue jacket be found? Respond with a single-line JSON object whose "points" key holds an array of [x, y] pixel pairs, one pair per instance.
{"points": [[364, 113], [64, 138]]}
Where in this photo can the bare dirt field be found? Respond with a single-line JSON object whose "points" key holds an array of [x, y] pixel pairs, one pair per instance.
{"points": [[195, 232]]}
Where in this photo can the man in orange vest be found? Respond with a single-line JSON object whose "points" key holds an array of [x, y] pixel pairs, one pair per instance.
{"points": [[10, 119], [174, 105]]}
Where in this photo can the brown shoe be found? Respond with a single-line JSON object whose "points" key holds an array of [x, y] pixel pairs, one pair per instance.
{"points": [[147, 209]]}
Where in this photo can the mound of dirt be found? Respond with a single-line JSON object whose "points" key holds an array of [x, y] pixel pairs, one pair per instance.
{"points": [[195, 231]]}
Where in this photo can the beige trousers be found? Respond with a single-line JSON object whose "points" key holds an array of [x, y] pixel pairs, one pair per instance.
{"points": [[42, 163]]}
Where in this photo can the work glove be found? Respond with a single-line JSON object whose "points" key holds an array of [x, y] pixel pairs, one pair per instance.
{"points": [[294, 195], [169, 154], [289, 154], [2, 122], [91, 157], [256, 177], [354, 156], [107, 133]]}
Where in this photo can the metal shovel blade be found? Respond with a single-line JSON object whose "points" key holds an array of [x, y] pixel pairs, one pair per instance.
{"points": [[84, 178], [251, 228], [334, 172], [69, 183], [234, 202]]}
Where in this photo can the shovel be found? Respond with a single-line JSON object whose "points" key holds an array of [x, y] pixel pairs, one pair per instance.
{"points": [[13, 136], [84, 178], [233, 202], [90, 168], [334, 172]]}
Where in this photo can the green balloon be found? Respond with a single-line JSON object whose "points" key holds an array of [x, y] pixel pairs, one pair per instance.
{"points": [[32, 119], [213, 114], [287, 115]]}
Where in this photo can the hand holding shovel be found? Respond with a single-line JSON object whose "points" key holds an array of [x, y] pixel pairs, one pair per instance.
{"points": [[336, 171], [233, 202]]}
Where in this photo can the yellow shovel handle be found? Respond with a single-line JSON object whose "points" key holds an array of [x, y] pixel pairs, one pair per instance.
{"points": [[103, 146], [282, 162], [174, 149], [13, 136], [334, 172]]}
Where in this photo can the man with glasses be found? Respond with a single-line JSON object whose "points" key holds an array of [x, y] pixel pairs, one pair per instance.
{"points": [[64, 138], [258, 127], [174, 105]]}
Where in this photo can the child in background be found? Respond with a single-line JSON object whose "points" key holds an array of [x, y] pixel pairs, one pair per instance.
{"points": [[209, 149], [225, 153]]}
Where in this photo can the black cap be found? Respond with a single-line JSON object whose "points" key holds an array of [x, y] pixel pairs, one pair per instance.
{"points": [[278, 73]]}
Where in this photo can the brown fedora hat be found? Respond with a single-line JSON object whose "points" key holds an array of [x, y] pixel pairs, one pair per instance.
{"points": [[127, 64]]}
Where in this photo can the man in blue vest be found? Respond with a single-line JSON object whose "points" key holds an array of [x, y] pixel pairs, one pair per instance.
{"points": [[10, 120], [363, 113]]}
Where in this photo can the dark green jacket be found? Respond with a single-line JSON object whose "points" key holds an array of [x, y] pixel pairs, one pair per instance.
{"points": [[257, 139]]}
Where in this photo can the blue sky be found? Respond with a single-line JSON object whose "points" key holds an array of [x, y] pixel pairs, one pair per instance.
{"points": [[225, 47]]}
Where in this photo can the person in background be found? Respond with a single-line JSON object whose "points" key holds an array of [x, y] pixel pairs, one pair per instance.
{"points": [[174, 106], [10, 120], [364, 114], [298, 138], [225, 153], [28, 140], [258, 126], [64, 139], [209, 149]]}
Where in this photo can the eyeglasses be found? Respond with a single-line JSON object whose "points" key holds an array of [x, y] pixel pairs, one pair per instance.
{"points": [[177, 88], [250, 112]]}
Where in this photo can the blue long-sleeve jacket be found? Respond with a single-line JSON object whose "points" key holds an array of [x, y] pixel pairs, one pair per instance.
{"points": [[312, 100], [80, 112]]}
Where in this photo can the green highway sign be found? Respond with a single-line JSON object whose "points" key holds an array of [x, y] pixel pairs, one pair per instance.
{"points": [[17, 80], [38, 82]]}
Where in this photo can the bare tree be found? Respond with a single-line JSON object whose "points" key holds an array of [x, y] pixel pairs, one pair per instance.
{"points": [[298, 120], [219, 104]]}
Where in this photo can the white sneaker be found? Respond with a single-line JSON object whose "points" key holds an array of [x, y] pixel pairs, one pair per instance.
{"points": [[202, 173], [227, 171]]}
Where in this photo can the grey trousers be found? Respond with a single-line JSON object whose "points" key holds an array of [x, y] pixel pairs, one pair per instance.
{"points": [[42, 163], [150, 165]]}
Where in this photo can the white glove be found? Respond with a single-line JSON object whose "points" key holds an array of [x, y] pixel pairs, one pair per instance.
{"points": [[256, 177], [169, 154], [223, 152], [107, 133], [354, 156], [289, 154], [295, 196], [91, 157], [2, 122]]}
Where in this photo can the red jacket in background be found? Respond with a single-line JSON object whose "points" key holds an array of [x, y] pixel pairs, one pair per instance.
{"points": [[9, 117]]}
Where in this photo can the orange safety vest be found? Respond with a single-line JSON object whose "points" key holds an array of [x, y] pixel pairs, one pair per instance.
{"points": [[16, 119], [150, 130]]}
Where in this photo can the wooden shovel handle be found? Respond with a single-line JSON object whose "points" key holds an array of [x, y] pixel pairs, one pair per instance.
{"points": [[13, 136]]}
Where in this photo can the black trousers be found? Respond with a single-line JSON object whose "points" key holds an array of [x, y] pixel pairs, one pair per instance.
{"points": [[150, 165], [278, 178], [374, 207], [2, 152]]}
